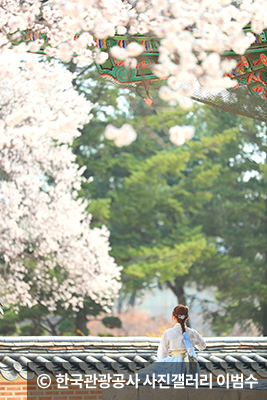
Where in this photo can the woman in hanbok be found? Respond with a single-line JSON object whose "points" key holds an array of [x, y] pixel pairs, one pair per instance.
{"points": [[176, 354]]}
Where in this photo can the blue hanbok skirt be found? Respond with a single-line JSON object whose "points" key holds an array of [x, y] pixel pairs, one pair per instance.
{"points": [[176, 368]]}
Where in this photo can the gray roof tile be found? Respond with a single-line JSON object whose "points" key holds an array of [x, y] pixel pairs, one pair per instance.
{"points": [[259, 359], [36, 355], [16, 366]]}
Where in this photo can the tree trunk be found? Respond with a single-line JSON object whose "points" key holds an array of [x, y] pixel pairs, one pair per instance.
{"points": [[80, 322], [177, 287], [132, 300], [51, 327]]}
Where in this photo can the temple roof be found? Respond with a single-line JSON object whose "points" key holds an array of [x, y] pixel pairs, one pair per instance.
{"points": [[29, 356]]}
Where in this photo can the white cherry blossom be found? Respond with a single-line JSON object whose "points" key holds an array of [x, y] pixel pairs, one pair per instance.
{"points": [[123, 136], [111, 132], [179, 134], [127, 136], [119, 52], [189, 30], [188, 131], [134, 49], [44, 227], [101, 58]]}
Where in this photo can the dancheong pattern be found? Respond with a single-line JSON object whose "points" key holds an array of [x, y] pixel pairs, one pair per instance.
{"points": [[250, 71]]}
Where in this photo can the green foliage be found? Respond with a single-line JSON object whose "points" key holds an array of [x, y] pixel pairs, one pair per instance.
{"points": [[100, 210], [29, 330], [8, 324], [102, 334], [178, 214], [67, 327], [236, 216], [150, 193], [111, 322]]}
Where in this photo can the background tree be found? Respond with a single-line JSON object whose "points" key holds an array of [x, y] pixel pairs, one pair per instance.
{"points": [[158, 200], [236, 216], [149, 193]]}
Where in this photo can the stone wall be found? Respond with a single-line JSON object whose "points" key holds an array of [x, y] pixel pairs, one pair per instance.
{"points": [[147, 393]]}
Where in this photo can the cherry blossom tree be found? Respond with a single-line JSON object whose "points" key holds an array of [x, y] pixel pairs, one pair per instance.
{"points": [[193, 35], [48, 253]]}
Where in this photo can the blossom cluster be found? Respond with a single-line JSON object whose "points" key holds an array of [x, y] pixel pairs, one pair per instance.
{"points": [[179, 134], [48, 252], [123, 136], [193, 33]]}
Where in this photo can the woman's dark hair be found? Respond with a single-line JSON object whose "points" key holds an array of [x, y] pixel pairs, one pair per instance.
{"points": [[180, 312]]}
